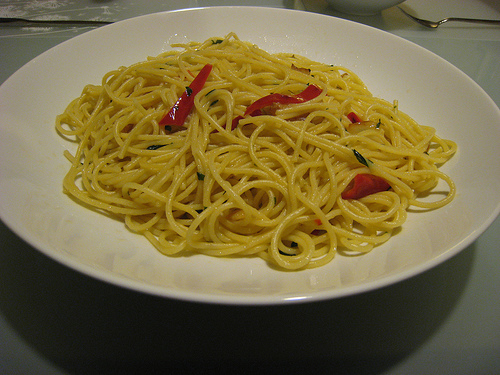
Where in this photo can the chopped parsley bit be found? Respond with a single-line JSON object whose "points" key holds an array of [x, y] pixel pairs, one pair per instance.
{"points": [[189, 91], [361, 159], [378, 124], [214, 102], [294, 244], [155, 147], [275, 200], [201, 176], [217, 41], [211, 91]]}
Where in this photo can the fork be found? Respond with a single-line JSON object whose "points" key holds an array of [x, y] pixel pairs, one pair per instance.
{"points": [[434, 24]]}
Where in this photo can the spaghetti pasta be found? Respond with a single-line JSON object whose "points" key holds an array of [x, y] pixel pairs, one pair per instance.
{"points": [[269, 183]]}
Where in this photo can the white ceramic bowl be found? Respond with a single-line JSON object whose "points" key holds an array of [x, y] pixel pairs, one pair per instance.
{"points": [[362, 7], [32, 164]]}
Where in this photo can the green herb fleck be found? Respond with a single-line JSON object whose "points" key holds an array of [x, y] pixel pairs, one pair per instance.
{"points": [[378, 124], [155, 147], [211, 91], [361, 159], [217, 41], [294, 244], [214, 102], [201, 176], [189, 91]]}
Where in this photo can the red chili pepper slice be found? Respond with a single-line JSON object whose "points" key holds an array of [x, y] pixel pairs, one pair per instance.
{"points": [[363, 185], [235, 122], [353, 117], [181, 109], [309, 93]]}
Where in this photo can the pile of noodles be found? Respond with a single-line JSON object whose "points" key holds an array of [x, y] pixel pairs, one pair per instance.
{"points": [[270, 184]]}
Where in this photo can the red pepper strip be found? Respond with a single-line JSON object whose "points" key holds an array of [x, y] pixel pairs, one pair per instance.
{"points": [[235, 122], [178, 113], [365, 184], [317, 221], [353, 117], [309, 93]]}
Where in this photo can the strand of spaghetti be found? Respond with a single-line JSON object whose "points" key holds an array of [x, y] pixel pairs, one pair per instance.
{"points": [[447, 199]]}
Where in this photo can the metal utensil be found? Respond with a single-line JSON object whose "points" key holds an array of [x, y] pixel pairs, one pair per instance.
{"points": [[435, 24], [24, 22]]}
